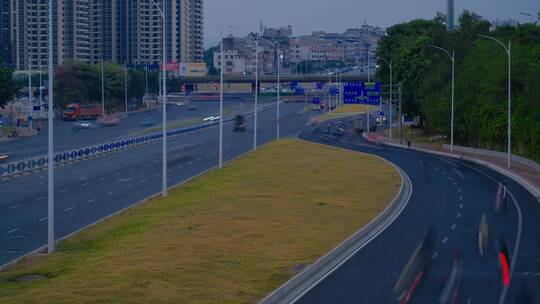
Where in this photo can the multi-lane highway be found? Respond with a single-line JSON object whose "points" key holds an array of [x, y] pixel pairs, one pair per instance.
{"points": [[68, 137], [92, 189], [450, 196]]}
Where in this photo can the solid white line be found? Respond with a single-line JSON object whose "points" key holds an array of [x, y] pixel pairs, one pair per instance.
{"points": [[14, 207], [69, 209], [12, 230], [445, 240]]}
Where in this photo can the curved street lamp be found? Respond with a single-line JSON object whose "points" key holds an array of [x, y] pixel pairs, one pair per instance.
{"points": [[279, 58], [508, 50], [453, 59], [391, 67]]}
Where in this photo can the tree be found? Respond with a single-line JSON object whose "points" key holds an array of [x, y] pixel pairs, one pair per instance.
{"points": [[8, 88]]}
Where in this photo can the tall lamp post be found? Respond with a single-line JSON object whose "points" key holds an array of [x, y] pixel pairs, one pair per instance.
{"points": [[161, 11], [279, 58], [390, 67], [255, 112], [102, 87], [453, 59], [50, 167], [508, 50]]}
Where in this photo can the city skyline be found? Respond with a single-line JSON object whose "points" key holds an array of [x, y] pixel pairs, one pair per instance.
{"points": [[325, 16]]}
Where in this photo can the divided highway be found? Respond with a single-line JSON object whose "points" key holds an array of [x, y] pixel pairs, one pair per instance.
{"points": [[92, 189], [450, 196]]}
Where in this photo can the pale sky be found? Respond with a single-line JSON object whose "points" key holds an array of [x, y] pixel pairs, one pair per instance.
{"points": [[306, 16]]}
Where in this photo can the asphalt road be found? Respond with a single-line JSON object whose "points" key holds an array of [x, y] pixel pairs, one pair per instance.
{"points": [[67, 137], [92, 189], [451, 196]]}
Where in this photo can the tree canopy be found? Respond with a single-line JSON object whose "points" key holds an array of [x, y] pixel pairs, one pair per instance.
{"points": [[8, 87], [481, 80]]}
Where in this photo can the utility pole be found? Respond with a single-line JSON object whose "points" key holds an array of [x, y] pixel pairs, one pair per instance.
{"points": [[256, 92], [400, 113], [221, 65], [125, 86], [102, 88], [50, 167]]}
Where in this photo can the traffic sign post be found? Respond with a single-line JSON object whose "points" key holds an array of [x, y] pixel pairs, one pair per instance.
{"points": [[368, 93]]}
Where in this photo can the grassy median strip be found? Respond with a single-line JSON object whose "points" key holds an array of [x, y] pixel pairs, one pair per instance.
{"points": [[229, 236]]}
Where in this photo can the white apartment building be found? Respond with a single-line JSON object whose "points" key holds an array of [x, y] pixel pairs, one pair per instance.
{"points": [[192, 27]]}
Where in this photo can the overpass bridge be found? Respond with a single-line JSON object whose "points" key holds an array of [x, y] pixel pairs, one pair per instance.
{"points": [[271, 78]]}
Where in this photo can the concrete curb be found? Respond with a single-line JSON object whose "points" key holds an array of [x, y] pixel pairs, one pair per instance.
{"points": [[530, 187], [300, 284]]}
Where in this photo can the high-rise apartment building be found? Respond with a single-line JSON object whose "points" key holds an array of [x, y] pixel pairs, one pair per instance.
{"points": [[192, 37], [121, 31]]}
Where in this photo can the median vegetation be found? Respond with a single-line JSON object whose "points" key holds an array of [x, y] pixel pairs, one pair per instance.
{"points": [[229, 236]]}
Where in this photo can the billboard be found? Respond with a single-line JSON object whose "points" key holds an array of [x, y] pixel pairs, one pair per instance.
{"points": [[193, 69], [172, 67]]}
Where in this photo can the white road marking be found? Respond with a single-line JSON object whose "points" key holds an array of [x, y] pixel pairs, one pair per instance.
{"points": [[180, 167], [91, 200], [460, 206], [190, 163], [131, 169], [434, 256], [460, 197], [143, 180], [111, 193], [444, 173], [458, 215], [85, 184], [459, 190], [157, 175], [101, 179], [449, 178], [123, 180], [117, 173], [64, 191], [199, 159], [14, 207], [129, 186], [445, 240], [12, 230], [69, 209], [43, 219], [453, 227], [455, 184], [41, 198]]}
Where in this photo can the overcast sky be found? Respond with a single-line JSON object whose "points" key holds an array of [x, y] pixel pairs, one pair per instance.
{"points": [[306, 16]]}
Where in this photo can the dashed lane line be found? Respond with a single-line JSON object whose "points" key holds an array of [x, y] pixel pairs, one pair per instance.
{"points": [[445, 240], [43, 219], [14, 207], [12, 231], [453, 227], [69, 209]]}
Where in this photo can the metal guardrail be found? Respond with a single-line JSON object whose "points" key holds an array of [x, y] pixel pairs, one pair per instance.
{"points": [[41, 162]]}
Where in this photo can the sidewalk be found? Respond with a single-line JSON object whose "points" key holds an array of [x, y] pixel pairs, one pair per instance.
{"points": [[526, 173]]}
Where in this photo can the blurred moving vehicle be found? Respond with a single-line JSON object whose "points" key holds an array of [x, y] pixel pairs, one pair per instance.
{"points": [[381, 120], [3, 158], [109, 121], [416, 269], [483, 236], [450, 293], [239, 123], [501, 199], [84, 124], [76, 111], [358, 125], [148, 122]]}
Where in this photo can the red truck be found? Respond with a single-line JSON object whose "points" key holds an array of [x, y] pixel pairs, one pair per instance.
{"points": [[75, 111]]}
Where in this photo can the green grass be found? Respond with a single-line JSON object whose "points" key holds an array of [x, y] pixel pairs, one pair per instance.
{"points": [[229, 236]]}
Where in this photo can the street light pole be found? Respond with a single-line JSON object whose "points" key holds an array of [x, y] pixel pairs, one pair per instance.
{"points": [[125, 86], [29, 91], [163, 98], [102, 88], [391, 67], [278, 92], [453, 59], [221, 65], [256, 92], [50, 167], [509, 53]]}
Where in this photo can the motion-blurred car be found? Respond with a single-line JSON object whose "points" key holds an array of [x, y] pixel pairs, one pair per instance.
{"points": [[239, 124], [109, 121], [4, 158], [192, 108], [148, 122], [84, 124]]}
